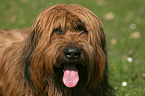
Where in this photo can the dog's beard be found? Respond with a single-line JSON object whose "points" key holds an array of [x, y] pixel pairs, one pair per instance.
{"points": [[70, 72]]}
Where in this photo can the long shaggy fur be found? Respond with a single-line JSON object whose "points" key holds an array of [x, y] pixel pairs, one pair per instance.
{"points": [[32, 64]]}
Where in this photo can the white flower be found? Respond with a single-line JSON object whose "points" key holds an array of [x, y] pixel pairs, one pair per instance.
{"points": [[124, 83], [129, 59], [132, 26]]}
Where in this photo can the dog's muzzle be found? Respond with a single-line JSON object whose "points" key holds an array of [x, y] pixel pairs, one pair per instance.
{"points": [[71, 75], [72, 53]]}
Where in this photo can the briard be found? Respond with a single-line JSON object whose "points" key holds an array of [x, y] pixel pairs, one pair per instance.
{"points": [[63, 54]]}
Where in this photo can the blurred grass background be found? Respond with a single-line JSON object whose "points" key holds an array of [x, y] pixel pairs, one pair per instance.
{"points": [[124, 23]]}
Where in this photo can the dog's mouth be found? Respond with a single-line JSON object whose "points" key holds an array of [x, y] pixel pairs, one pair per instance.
{"points": [[70, 64], [70, 72], [70, 76]]}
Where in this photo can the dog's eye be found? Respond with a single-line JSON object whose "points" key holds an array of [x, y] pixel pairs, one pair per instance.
{"points": [[57, 31], [83, 31]]}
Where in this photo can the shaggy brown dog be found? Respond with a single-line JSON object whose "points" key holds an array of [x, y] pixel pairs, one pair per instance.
{"points": [[64, 54]]}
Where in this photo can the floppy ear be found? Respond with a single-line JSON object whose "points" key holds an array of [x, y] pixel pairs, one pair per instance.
{"points": [[33, 58], [98, 42], [35, 48], [29, 46]]}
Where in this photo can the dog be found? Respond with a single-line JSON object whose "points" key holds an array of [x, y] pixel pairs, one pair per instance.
{"points": [[64, 53]]}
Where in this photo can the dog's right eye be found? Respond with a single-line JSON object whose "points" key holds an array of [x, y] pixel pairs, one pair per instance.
{"points": [[82, 29], [57, 31]]}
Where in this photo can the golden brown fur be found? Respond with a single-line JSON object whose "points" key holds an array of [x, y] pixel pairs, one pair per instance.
{"points": [[32, 64]]}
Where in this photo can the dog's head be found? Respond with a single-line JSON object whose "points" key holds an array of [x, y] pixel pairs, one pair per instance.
{"points": [[66, 43]]}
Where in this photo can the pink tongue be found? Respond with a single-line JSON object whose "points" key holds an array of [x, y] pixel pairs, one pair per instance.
{"points": [[70, 77]]}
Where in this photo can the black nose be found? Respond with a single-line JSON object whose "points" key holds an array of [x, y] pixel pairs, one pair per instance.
{"points": [[72, 53]]}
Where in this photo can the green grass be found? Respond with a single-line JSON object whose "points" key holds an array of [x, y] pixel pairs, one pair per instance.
{"points": [[22, 13]]}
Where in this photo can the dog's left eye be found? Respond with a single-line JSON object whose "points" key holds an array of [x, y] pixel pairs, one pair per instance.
{"points": [[57, 31], [83, 31]]}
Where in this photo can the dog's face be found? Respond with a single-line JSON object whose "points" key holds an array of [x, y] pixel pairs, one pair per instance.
{"points": [[69, 48], [69, 45]]}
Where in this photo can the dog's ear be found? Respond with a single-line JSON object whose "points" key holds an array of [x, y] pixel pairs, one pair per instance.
{"points": [[98, 42], [35, 47], [29, 46]]}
